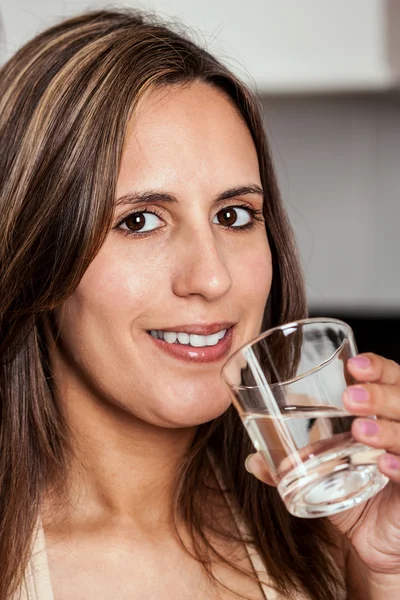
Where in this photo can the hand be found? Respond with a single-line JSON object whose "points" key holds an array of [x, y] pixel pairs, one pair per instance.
{"points": [[373, 527]]}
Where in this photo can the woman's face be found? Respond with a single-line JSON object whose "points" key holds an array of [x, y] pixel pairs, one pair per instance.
{"points": [[183, 277]]}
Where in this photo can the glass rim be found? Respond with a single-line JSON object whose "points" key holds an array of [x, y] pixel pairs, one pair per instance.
{"points": [[269, 332]]}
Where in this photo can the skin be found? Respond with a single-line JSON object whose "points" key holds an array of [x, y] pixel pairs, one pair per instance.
{"points": [[371, 529], [132, 409]]}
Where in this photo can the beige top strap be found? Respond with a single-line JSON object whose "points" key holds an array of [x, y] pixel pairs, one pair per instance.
{"points": [[37, 584]]}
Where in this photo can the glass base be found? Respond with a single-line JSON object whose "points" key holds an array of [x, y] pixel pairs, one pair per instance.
{"points": [[332, 482]]}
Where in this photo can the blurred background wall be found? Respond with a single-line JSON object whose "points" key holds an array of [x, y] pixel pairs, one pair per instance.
{"points": [[328, 75]]}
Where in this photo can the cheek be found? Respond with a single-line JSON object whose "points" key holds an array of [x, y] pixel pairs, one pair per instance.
{"points": [[253, 276], [121, 285], [108, 308]]}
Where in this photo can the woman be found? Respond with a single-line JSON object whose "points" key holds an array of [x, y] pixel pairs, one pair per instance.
{"points": [[143, 241]]}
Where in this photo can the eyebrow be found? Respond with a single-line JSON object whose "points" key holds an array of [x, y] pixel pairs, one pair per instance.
{"points": [[151, 197]]}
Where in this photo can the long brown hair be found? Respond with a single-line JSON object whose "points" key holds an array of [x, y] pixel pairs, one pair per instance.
{"points": [[65, 100]]}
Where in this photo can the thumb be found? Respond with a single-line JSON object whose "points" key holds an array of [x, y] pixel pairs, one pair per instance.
{"points": [[257, 466]]}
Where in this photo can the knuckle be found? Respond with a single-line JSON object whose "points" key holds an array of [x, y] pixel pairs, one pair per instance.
{"points": [[390, 369], [385, 369], [392, 364], [391, 433], [376, 395]]}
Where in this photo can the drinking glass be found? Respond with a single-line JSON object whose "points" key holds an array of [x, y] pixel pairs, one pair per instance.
{"points": [[287, 386]]}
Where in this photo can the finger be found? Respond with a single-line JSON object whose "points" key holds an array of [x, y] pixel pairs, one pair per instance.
{"points": [[389, 465], [378, 433], [256, 465], [373, 399], [372, 367]]}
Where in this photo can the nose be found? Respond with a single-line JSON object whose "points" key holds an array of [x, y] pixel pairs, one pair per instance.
{"points": [[201, 270]]}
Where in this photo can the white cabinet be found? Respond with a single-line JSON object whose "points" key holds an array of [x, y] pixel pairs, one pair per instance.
{"points": [[285, 46]]}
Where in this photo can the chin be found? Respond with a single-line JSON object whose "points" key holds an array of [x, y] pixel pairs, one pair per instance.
{"points": [[196, 409]]}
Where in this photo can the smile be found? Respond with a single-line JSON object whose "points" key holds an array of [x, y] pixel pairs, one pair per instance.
{"points": [[188, 339]]}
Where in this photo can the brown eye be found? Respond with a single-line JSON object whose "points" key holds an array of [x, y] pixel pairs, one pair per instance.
{"points": [[227, 217], [140, 222], [233, 216], [135, 222]]}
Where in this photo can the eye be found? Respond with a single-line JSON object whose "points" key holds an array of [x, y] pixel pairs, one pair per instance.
{"points": [[140, 222], [233, 216]]}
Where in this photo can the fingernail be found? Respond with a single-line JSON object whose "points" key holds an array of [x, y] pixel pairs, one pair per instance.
{"points": [[392, 462], [247, 465], [361, 362], [369, 427], [358, 394]]}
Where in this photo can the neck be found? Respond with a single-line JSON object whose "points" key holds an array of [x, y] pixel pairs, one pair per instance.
{"points": [[121, 468]]}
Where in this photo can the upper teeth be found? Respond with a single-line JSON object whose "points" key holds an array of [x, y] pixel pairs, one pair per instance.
{"points": [[190, 339]]}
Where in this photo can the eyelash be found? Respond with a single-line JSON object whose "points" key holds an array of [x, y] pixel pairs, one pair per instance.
{"points": [[256, 215], [137, 234]]}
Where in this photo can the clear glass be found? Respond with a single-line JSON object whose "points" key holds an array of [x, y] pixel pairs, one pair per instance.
{"points": [[287, 386]]}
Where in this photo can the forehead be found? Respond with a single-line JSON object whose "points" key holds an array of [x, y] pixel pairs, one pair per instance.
{"points": [[186, 136]]}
